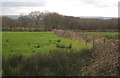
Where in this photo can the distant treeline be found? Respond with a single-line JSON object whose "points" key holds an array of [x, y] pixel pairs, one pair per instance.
{"points": [[47, 21]]}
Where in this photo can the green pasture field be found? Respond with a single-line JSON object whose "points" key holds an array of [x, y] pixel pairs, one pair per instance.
{"points": [[105, 34], [25, 43]]}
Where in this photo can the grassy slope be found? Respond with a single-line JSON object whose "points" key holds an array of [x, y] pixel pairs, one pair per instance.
{"points": [[24, 42]]}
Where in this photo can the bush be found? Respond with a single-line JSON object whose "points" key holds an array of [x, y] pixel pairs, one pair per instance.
{"points": [[11, 64], [56, 63]]}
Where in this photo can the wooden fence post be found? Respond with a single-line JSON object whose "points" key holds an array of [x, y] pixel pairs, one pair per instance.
{"points": [[93, 41], [104, 40], [85, 39]]}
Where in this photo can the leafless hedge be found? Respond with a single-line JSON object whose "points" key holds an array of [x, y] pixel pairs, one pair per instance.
{"points": [[106, 61], [80, 35]]}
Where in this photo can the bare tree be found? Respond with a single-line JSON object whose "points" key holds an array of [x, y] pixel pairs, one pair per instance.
{"points": [[7, 23], [37, 16], [23, 19]]}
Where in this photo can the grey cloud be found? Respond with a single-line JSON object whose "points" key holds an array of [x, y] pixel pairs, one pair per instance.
{"points": [[25, 4], [97, 3]]}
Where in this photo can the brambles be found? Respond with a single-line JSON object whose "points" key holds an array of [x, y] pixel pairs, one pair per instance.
{"points": [[69, 46], [33, 51], [105, 62], [58, 45], [58, 40]]}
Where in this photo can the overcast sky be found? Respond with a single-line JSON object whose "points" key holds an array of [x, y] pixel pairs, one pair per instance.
{"points": [[101, 8]]}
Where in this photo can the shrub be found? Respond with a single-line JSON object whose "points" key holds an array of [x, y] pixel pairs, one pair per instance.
{"points": [[10, 64], [66, 62]]}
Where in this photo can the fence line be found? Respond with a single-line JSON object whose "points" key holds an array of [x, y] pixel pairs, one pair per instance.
{"points": [[80, 35]]}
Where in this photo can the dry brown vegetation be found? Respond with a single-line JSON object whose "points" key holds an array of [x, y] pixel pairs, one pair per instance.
{"points": [[79, 35], [76, 34], [106, 55], [105, 61]]}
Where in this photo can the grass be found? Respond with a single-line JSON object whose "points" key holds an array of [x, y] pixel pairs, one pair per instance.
{"points": [[57, 63], [105, 34], [26, 43]]}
